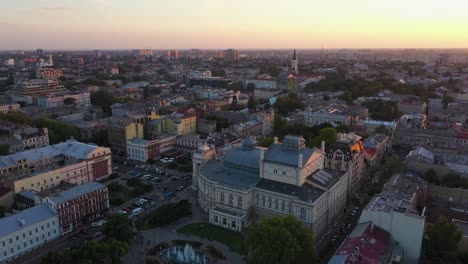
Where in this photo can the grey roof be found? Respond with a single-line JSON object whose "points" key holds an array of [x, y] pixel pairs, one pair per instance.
{"points": [[243, 158], [230, 176], [70, 148], [305, 192], [326, 177], [279, 153], [338, 259], [30, 216], [75, 192]]}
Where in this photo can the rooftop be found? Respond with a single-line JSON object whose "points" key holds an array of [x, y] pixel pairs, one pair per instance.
{"points": [[71, 148], [366, 244], [25, 218], [289, 151], [75, 192], [306, 192], [326, 177]]}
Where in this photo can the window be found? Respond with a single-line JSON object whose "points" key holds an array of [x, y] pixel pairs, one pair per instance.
{"points": [[239, 201], [11, 241], [269, 202], [275, 171], [231, 199], [222, 198], [284, 172], [302, 214], [216, 219]]}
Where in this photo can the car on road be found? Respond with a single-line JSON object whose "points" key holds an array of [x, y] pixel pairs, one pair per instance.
{"points": [[98, 234], [348, 226], [169, 194], [334, 238], [122, 211]]}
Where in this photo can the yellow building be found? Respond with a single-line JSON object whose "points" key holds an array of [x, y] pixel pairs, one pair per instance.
{"points": [[121, 131], [177, 124], [183, 125]]}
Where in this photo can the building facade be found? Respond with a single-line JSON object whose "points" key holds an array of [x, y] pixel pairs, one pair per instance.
{"points": [[42, 168], [347, 154], [79, 205], [57, 100], [250, 183], [26, 230]]}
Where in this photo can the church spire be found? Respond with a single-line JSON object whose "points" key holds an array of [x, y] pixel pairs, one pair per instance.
{"points": [[294, 55]]}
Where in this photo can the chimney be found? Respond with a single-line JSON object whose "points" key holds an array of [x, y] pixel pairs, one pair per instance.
{"points": [[299, 161], [322, 146]]}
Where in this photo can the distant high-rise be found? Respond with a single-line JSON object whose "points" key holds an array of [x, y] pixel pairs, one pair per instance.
{"points": [[40, 52], [231, 55], [97, 53], [295, 63], [143, 52]]}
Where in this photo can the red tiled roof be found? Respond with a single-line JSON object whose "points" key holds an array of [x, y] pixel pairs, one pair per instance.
{"points": [[368, 247]]}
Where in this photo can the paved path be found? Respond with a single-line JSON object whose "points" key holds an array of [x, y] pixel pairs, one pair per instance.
{"points": [[168, 233]]}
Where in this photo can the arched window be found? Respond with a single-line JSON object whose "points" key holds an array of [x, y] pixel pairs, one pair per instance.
{"points": [[276, 204], [231, 199], [239, 201], [263, 200], [269, 202], [216, 219]]}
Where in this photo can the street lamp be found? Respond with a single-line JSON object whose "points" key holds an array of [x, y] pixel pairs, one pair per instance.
{"points": [[166, 162]]}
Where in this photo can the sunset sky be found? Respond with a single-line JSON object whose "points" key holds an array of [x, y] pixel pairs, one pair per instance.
{"points": [[159, 24]]}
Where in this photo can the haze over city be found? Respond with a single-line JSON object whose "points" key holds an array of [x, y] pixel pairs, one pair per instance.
{"points": [[180, 24]]}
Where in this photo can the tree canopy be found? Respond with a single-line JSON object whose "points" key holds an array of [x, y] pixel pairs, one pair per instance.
{"points": [[103, 98], [266, 142], [281, 240], [118, 228], [442, 242], [252, 104], [88, 252], [59, 131], [287, 104], [17, 118]]}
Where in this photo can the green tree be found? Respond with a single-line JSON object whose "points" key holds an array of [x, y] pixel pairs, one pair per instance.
{"points": [[281, 240], [252, 104], [103, 98], [381, 130], [118, 227], [2, 211], [393, 165], [278, 123], [59, 131], [328, 135], [266, 142], [4, 149], [446, 100], [250, 87], [442, 242], [17, 118], [69, 101]]}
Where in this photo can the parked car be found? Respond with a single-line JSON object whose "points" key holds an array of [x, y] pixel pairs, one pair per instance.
{"points": [[122, 211], [137, 211]]}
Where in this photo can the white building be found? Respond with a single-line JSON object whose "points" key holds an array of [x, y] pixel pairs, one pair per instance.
{"points": [[263, 83], [398, 209], [251, 183], [5, 108], [27, 230], [57, 100], [10, 62]]}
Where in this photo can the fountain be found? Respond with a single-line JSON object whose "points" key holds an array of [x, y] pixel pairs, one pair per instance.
{"points": [[183, 255]]}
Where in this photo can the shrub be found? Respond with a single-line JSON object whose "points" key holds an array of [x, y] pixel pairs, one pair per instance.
{"points": [[115, 187], [116, 201]]}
